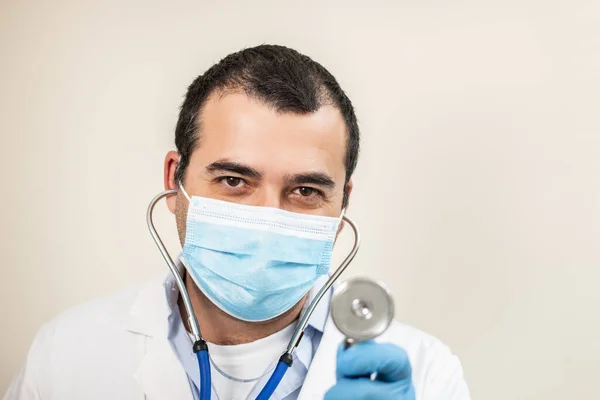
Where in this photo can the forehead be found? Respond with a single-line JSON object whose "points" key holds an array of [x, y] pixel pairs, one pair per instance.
{"points": [[241, 128]]}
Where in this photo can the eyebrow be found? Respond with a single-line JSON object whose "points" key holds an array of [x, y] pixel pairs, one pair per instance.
{"points": [[315, 178], [231, 166]]}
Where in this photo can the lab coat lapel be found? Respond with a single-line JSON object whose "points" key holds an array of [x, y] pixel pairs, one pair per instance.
{"points": [[159, 375], [321, 374]]}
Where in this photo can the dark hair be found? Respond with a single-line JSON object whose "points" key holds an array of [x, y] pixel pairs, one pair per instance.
{"points": [[277, 75]]}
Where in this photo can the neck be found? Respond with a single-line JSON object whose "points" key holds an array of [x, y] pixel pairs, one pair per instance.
{"points": [[221, 328]]}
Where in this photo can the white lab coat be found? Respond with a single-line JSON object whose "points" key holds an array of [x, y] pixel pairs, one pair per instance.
{"points": [[117, 348]]}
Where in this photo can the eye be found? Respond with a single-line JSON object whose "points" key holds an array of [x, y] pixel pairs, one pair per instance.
{"points": [[232, 181], [305, 191], [307, 197]]}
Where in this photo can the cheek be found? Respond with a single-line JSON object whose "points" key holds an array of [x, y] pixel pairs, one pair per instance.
{"points": [[172, 204], [332, 207], [181, 208]]}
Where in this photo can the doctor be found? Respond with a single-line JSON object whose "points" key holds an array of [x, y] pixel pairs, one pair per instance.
{"points": [[265, 127]]}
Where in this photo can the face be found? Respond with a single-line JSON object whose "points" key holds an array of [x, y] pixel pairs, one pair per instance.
{"points": [[248, 153]]}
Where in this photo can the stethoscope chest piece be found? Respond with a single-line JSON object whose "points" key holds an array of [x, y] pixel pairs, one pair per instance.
{"points": [[361, 309]]}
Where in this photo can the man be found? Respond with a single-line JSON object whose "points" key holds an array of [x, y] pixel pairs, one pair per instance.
{"points": [[267, 142]]}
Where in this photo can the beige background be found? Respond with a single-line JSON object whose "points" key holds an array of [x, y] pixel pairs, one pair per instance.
{"points": [[478, 189]]}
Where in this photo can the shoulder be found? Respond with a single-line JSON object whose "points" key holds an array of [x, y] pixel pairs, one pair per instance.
{"points": [[75, 343], [89, 320], [99, 315], [106, 315], [437, 371], [412, 338]]}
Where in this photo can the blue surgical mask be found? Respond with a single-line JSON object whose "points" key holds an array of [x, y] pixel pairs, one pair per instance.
{"points": [[255, 263]]}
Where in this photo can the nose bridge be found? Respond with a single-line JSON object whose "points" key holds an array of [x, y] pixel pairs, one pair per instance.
{"points": [[269, 196]]}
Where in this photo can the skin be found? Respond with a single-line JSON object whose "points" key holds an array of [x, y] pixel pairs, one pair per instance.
{"points": [[251, 154]]}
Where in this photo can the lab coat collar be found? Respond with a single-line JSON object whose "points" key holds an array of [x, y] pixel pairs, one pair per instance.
{"points": [[159, 374], [321, 374], [148, 312]]}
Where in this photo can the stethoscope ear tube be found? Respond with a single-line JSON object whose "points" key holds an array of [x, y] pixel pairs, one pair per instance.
{"points": [[313, 304], [191, 317], [200, 347]]}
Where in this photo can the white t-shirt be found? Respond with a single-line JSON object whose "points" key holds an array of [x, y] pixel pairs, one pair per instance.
{"points": [[236, 369]]}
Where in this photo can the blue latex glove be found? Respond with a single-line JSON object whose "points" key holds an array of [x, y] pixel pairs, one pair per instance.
{"points": [[355, 365]]}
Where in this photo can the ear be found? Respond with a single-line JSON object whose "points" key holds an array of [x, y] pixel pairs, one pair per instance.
{"points": [[347, 192], [171, 163]]}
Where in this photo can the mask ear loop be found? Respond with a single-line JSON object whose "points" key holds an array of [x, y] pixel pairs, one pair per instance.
{"points": [[187, 196]]}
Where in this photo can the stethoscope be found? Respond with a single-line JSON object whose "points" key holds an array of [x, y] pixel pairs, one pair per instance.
{"points": [[200, 347]]}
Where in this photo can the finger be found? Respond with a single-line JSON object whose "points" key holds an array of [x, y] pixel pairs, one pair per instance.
{"points": [[364, 388], [390, 362], [357, 389], [338, 373]]}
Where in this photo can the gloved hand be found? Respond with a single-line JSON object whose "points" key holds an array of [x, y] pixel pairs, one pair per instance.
{"points": [[355, 365]]}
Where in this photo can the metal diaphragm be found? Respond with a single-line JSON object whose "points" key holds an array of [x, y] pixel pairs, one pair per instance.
{"points": [[362, 309]]}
